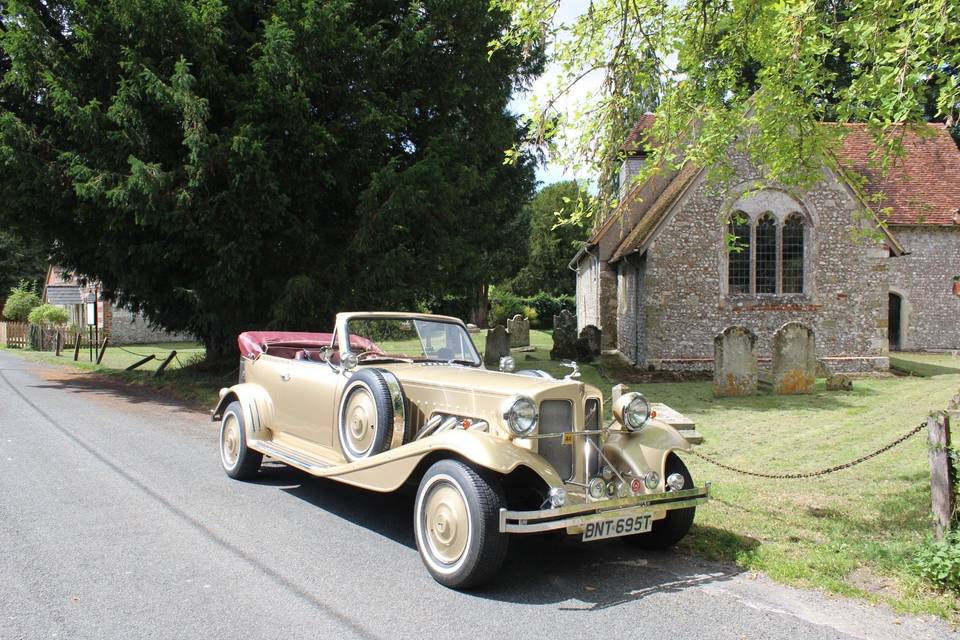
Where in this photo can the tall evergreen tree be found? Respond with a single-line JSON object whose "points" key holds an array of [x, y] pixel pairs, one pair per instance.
{"points": [[224, 165], [553, 240]]}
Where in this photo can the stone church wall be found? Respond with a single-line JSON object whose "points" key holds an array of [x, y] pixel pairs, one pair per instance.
{"points": [[685, 304], [930, 312]]}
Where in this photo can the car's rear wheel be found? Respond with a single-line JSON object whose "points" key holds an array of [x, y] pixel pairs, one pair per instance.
{"points": [[457, 525], [240, 462], [671, 529]]}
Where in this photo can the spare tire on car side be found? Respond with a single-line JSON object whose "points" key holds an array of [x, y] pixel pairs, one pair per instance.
{"points": [[370, 418]]}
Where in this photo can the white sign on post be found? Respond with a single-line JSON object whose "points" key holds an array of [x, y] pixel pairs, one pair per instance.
{"points": [[91, 314]]}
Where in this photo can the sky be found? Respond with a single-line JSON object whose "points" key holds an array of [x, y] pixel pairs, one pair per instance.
{"points": [[553, 171]]}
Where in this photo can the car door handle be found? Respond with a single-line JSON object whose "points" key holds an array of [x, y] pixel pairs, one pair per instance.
{"points": [[285, 377]]}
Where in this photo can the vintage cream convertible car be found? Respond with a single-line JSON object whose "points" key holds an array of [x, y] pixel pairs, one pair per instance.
{"points": [[390, 399]]}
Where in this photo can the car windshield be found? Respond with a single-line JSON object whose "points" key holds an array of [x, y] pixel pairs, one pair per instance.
{"points": [[412, 339]]}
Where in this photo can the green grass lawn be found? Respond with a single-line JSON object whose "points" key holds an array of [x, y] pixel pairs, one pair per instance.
{"points": [[853, 532], [182, 378]]}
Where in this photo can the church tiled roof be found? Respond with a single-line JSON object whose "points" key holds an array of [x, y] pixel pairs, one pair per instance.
{"points": [[922, 187]]}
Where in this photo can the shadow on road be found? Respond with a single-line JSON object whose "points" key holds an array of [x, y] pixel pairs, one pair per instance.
{"points": [[542, 569]]}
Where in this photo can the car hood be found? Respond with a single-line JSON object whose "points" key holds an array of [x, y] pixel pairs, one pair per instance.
{"points": [[475, 379]]}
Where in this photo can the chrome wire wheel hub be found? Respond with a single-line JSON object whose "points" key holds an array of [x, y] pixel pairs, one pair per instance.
{"points": [[361, 422], [230, 440], [446, 522]]}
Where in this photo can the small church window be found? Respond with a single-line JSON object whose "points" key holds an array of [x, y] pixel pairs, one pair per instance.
{"points": [[738, 256], [792, 255], [766, 273]]}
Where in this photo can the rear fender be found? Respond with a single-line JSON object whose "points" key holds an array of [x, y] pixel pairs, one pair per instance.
{"points": [[646, 450], [258, 410]]}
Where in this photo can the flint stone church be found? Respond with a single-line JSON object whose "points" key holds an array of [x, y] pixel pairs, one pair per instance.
{"points": [[659, 280]]}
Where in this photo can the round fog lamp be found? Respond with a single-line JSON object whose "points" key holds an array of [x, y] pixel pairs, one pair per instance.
{"points": [[596, 488], [557, 496], [652, 479], [675, 482]]}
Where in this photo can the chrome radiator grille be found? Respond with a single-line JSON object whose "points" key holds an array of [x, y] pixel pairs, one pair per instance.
{"points": [[592, 423], [556, 416]]}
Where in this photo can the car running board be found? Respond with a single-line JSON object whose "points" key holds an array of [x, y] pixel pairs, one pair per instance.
{"points": [[290, 456]]}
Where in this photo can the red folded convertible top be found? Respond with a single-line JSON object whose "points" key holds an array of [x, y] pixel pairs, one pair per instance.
{"points": [[253, 343]]}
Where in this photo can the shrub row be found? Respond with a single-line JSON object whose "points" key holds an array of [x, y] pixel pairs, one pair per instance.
{"points": [[539, 308]]}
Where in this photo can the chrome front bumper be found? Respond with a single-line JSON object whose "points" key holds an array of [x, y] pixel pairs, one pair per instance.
{"points": [[576, 515]]}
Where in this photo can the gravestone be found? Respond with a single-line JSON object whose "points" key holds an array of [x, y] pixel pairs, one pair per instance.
{"points": [[498, 345], [588, 344], [564, 336], [734, 362], [794, 359], [519, 329]]}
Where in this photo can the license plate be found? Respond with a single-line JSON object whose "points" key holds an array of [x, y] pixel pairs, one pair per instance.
{"points": [[620, 526]]}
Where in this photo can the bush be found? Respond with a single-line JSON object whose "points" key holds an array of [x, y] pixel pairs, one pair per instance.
{"points": [[939, 562], [540, 308], [531, 314], [22, 300], [48, 314]]}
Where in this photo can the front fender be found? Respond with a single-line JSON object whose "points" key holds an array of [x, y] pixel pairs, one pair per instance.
{"points": [[389, 470], [646, 450], [258, 409]]}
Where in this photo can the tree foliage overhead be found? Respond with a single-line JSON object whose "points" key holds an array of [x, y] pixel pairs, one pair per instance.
{"points": [[21, 259], [720, 67], [224, 165], [551, 243]]}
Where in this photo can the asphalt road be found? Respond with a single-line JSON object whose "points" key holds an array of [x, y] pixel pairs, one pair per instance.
{"points": [[117, 522]]}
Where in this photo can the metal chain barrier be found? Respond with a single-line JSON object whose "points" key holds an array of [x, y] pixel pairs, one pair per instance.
{"points": [[813, 474]]}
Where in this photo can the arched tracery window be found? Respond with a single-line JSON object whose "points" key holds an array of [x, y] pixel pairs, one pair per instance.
{"points": [[738, 271], [766, 272], [792, 254]]}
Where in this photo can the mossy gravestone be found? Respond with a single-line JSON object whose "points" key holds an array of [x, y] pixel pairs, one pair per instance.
{"points": [[498, 345], [734, 362], [564, 336], [519, 329], [794, 359], [588, 344]]}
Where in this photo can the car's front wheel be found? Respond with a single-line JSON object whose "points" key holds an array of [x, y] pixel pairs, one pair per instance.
{"points": [[671, 529], [238, 461], [457, 525]]}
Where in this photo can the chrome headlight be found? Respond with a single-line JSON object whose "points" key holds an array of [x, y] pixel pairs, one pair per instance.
{"points": [[632, 411], [508, 364], [520, 414]]}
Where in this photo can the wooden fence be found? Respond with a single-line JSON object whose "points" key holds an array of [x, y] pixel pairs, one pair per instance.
{"points": [[14, 334]]}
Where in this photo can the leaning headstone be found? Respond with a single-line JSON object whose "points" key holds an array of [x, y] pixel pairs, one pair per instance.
{"points": [[519, 329], [734, 362], [498, 345], [839, 382], [794, 359], [472, 328], [588, 344], [564, 336]]}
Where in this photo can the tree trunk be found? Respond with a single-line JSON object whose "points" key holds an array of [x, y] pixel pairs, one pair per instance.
{"points": [[480, 306]]}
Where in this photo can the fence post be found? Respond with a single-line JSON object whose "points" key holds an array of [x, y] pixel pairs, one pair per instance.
{"points": [[56, 342], [163, 365], [941, 472], [76, 347], [103, 349]]}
